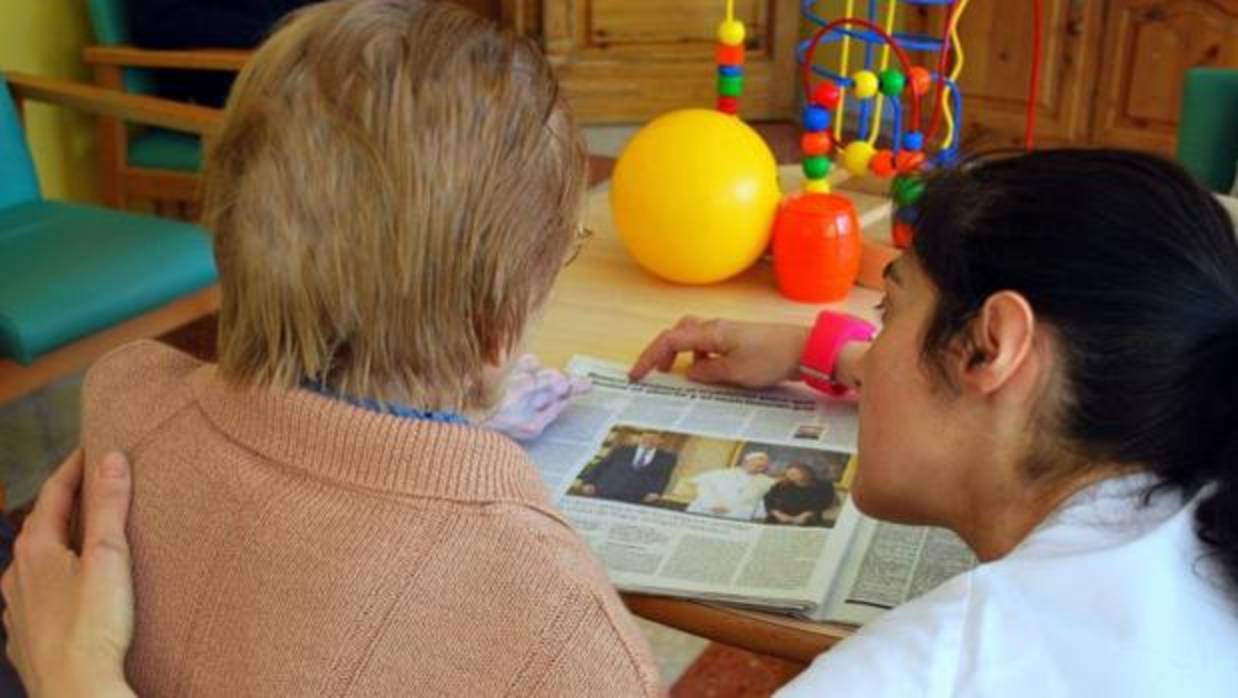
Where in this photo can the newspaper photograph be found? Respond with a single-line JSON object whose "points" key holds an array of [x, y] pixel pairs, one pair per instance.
{"points": [[720, 494]]}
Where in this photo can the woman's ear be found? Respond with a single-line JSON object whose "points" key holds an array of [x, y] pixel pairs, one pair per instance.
{"points": [[1002, 336]]}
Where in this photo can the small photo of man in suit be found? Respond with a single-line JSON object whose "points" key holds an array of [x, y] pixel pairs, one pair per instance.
{"points": [[636, 473]]}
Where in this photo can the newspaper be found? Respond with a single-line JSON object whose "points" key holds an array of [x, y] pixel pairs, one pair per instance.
{"points": [[734, 496]]}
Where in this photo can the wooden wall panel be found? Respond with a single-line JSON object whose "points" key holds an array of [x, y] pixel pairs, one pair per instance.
{"points": [[1149, 45], [629, 60], [997, 39]]}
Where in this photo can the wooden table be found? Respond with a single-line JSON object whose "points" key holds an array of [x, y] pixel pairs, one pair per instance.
{"points": [[606, 306]]}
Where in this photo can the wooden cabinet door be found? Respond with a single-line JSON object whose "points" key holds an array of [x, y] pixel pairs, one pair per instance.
{"points": [[630, 60], [1149, 45], [997, 43]]}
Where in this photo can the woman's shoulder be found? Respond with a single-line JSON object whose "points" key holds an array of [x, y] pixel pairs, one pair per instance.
{"points": [[133, 389], [145, 359]]}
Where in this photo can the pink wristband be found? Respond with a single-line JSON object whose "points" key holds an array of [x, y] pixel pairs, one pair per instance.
{"points": [[829, 334]]}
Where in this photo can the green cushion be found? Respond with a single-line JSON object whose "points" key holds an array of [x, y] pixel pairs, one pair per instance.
{"points": [[110, 20], [67, 271], [1208, 129], [18, 182], [161, 149]]}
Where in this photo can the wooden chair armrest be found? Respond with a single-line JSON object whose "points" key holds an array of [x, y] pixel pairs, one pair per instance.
{"points": [[151, 111], [228, 60]]}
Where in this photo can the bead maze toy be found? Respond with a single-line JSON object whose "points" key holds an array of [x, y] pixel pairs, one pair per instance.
{"points": [[880, 87]]}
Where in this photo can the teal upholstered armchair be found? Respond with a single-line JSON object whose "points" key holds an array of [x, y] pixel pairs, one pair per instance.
{"points": [[77, 280], [1208, 129], [145, 163]]}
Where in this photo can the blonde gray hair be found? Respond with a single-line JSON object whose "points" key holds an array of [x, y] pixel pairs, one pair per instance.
{"points": [[395, 187]]}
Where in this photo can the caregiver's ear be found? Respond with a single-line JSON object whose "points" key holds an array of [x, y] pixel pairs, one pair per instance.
{"points": [[1001, 342]]}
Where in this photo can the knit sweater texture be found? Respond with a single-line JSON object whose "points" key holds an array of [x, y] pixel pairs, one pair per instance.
{"points": [[288, 544]]}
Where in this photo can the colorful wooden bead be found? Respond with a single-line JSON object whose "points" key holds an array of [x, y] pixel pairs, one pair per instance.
{"points": [[882, 164], [725, 54], [816, 118], [892, 82], [728, 105], [817, 186], [857, 155], [906, 190], [826, 94], [903, 234], [816, 142], [913, 140], [866, 84], [921, 80], [730, 71], [730, 85], [816, 166], [909, 160], [731, 32]]}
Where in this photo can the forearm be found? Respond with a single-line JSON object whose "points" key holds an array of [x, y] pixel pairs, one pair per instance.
{"points": [[846, 368]]}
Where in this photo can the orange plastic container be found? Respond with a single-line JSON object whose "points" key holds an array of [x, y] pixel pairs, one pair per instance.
{"points": [[817, 247]]}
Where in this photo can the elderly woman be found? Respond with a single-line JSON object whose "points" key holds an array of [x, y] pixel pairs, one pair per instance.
{"points": [[396, 186]]}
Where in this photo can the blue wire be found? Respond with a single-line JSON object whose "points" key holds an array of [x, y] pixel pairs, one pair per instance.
{"points": [[897, 109], [909, 41], [947, 156]]}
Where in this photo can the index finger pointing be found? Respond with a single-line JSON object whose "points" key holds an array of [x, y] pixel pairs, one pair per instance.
{"points": [[664, 349]]}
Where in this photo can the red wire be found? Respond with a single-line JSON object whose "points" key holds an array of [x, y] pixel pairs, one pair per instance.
{"points": [[1033, 91], [806, 68]]}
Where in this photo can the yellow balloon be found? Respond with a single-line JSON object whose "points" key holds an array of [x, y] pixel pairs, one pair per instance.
{"points": [[694, 195], [857, 155]]}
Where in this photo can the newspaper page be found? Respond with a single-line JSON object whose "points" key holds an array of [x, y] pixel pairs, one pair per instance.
{"points": [[890, 564], [689, 490]]}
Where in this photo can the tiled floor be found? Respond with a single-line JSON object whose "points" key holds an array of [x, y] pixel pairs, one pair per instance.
{"points": [[35, 435], [675, 651]]}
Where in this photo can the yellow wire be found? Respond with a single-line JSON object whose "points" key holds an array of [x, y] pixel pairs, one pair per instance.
{"points": [[730, 10], [948, 112], [885, 63], [842, 70]]}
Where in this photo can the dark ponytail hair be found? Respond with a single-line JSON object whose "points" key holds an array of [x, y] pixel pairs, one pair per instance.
{"points": [[1136, 267]]}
